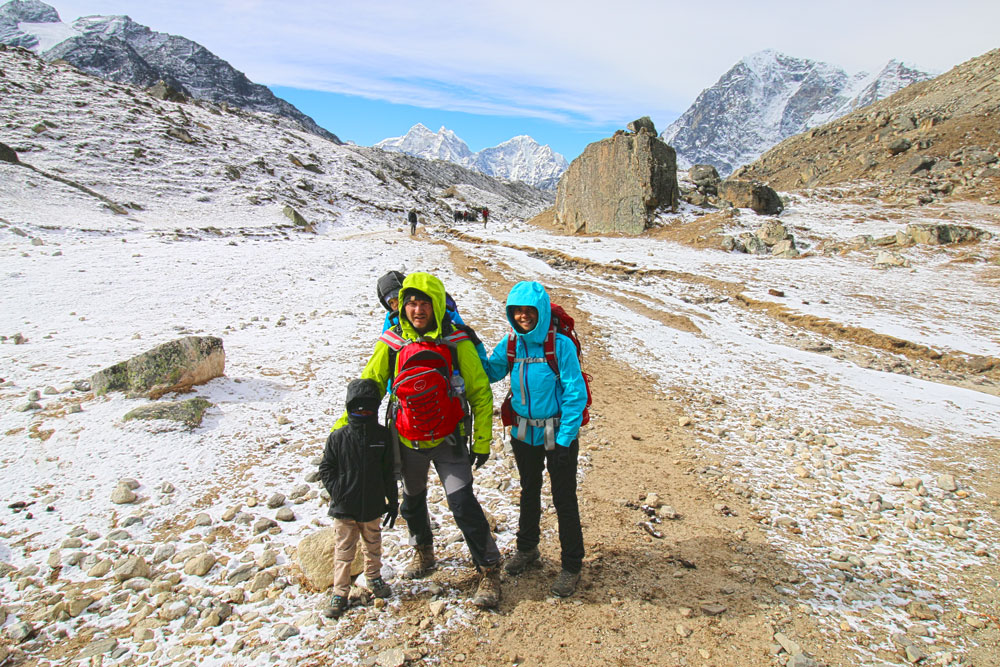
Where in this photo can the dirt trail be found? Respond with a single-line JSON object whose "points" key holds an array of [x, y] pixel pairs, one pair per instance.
{"points": [[642, 600]]}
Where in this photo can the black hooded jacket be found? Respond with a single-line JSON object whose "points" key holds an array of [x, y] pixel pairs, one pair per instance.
{"points": [[357, 462]]}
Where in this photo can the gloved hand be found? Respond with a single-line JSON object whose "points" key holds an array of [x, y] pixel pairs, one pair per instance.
{"points": [[477, 460], [390, 517]]}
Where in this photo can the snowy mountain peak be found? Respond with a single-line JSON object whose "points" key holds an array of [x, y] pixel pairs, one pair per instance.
{"points": [[28, 11], [518, 159], [119, 49], [769, 96]]}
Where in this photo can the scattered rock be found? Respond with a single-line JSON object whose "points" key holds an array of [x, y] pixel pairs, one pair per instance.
{"points": [[122, 495], [189, 412], [174, 366], [131, 566]]}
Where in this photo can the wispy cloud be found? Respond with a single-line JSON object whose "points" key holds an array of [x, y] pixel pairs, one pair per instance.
{"points": [[580, 62]]}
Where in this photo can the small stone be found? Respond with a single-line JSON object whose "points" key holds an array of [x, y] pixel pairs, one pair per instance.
{"points": [[19, 632], [790, 647], [285, 514], [78, 605], [130, 567], [921, 611], [947, 483], [683, 630], [199, 566], [437, 607], [393, 657], [653, 500], [276, 501], [894, 480], [284, 631], [976, 622], [263, 525], [122, 495], [712, 609], [913, 653], [101, 568], [684, 421], [98, 647], [242, 573]]}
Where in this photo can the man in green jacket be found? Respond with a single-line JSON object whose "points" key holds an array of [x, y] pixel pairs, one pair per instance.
{"points": [[422, 308]]}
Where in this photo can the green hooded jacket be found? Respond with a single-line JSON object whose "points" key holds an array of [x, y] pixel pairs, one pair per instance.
{"points": [[477, 385]]}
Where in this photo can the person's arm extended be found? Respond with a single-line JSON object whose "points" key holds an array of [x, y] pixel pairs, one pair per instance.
{"points": [[479, 394], [496, 365]]}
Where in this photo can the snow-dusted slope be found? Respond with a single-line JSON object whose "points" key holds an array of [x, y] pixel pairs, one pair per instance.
{"points": [[518, 159], [768, 97], [119, 49]]}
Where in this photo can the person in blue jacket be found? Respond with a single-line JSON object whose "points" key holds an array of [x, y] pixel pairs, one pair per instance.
{"points": [[548, 409]]}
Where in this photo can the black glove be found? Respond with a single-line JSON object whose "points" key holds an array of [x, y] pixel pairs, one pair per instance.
{"points": [[477, 460], [390, 517]]}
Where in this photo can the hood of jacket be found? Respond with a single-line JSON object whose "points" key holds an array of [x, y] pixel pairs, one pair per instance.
{"points": [[432, 287], [530, 293], [363, 393]]}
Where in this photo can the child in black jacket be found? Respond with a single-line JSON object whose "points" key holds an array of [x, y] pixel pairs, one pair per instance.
{"points": [[357, 472]]}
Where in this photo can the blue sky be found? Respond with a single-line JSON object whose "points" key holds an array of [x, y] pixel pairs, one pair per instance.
{"points": [[565, 72]]}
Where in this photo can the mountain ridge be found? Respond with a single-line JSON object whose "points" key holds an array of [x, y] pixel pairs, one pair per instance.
{"points": [[767, 97], [520, 158], [122, 50]]}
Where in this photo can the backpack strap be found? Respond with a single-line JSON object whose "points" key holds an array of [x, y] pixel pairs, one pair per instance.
{"points": [[550, 350]]}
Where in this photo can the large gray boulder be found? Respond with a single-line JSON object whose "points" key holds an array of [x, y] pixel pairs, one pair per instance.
{"points": [[617, 185], [174, 366], [751, 194]]}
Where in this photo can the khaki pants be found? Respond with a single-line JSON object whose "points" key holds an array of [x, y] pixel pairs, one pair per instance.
{"points": [[348, 531]]}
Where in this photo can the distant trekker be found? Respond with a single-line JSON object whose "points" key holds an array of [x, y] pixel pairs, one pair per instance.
{"points": [[486, 215], [412, 217]]}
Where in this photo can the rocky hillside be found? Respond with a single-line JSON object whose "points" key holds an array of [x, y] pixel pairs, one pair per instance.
{"points": [[518, 159], [767, 97], [119, 49], [131, 152], [934, 140]]}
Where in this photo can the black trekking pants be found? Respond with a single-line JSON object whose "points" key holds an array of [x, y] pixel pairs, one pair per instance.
{"points": [[453, 467], [531, 460]]}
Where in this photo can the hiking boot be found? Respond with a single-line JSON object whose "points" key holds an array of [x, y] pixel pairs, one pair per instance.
{"points": [[338, 605], [521, 560], [421, 563], [565, 584], [379, 588], [488, 592]]}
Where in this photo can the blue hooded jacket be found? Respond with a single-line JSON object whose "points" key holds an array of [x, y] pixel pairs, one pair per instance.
{"points": [[537, 392]]}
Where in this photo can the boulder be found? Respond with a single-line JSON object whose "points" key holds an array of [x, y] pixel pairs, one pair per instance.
{"points": [[706, 178], [161, 90], [644, 123], [8, 154], [314, 556], [942, 234], [297, 218], [190, 412], [900, 145], [618, 184], [772, 231], [174, 366], [751, 194]]}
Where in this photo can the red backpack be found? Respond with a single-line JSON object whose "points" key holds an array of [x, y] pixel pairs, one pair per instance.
{"points": [[559, 322], [422, 405]]}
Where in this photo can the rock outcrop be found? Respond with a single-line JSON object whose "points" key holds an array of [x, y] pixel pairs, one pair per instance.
{"points": [[751, 194], [174, 366], [618, 184], [933, 141]]}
